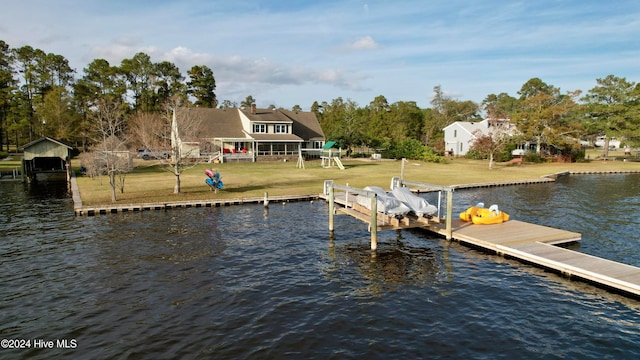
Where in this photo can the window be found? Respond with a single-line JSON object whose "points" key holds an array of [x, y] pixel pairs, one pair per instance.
{"points": [[260, 128], [279, 148], [281, 129], [455, 133]]}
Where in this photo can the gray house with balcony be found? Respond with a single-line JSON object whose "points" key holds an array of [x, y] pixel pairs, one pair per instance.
{"points": [[254, 134]]}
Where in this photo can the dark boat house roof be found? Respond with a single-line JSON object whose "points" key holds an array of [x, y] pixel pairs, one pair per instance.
{"points": [[237, 124]]}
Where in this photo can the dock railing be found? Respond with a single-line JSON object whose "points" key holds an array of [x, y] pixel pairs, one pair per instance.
{"points": [[396, 181], [329, 190]]}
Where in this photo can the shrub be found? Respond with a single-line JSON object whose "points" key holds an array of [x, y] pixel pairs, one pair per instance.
{"points": [[408, 148], [474, 154], [431, 156], [534, 157], [579, 155], [413, 149]]}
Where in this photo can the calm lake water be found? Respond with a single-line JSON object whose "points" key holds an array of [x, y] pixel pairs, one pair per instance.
{"points": [[245, 283]]}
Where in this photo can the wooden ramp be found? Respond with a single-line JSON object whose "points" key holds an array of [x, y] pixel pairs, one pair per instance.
{"points": [[536, 244], [610, 274], [510, 233]]}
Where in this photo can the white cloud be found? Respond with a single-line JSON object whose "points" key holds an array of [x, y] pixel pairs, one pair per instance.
{"points": [[360, 44], [364, 43], [298, 53]]}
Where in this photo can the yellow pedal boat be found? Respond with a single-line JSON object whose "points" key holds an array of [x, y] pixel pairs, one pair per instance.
{"points": [[468, 214], [490, 216]]}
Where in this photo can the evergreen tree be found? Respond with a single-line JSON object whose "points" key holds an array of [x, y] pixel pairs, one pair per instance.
{"points": [[202, 86]]}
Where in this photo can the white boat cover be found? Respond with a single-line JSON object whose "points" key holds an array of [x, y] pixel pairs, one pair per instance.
{"points": [[418, 205], [386, 204]]}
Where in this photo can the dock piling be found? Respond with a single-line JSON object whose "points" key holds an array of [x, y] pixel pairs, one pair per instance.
{"points": [[374, 222], [449, 215], [331, 206]]}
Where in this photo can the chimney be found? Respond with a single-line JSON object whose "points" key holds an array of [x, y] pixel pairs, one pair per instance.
{"points": [[253, 109]]}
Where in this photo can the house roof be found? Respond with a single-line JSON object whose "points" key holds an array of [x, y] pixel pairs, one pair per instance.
{"points": [[46, 138], [471, 127], [276, 137], [220, 123], [266, 115], [305, 124], [227, 124]]}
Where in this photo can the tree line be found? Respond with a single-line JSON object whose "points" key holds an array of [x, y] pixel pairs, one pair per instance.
{"points": [[41, 95], [543, 115]]}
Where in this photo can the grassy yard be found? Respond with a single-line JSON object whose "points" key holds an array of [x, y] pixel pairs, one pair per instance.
{"points": [[150, 183], [11, 163]]}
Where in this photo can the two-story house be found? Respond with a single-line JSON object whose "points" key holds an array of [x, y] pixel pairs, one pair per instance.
{"points": [[259, 134], [460, 135]]}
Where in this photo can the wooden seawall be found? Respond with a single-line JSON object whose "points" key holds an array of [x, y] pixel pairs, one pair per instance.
{"points": [[81, 210], [121, 208]]}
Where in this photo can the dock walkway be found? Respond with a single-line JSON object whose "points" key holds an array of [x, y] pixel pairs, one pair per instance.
{"points": [[529, 243], [537, 245]]}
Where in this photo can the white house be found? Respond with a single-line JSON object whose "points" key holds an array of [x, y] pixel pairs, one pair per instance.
{"points": [[613, 142], [459, 136]]}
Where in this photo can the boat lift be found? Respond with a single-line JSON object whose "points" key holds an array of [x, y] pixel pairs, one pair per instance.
{"points": [[378, 221]]}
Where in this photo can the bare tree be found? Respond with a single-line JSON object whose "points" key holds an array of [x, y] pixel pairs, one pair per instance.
{"points": [[185, 141], [149, 131], [111, 153], [177, 130], [90, 165]]}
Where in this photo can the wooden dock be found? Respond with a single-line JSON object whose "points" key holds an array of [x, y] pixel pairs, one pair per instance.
{"points": [[537, 245], [529, 243]]}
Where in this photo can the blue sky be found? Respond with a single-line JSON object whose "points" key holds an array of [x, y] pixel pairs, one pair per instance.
{"points": [[295, 52]]}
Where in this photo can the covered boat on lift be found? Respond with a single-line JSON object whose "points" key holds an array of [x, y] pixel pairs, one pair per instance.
{"points": [[419, 206], [386, 203]]}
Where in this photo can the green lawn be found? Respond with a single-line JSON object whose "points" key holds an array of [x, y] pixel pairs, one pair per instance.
{"points": [[10, 163], [150, 183]]}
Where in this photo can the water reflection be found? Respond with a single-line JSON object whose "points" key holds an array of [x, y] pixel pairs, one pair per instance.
{"points": [[400, 262]]}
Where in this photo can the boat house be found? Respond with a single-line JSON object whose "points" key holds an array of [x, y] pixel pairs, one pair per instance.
{"points": [[47, 159]]}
